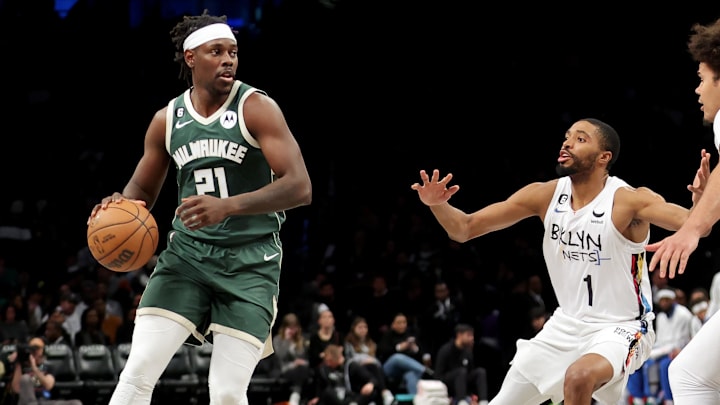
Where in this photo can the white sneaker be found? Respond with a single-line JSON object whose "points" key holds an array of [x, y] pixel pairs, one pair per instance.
{"points": [[294, 399]]}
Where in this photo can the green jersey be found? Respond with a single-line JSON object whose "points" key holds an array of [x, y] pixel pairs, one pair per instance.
{"points": [[217, 155]]}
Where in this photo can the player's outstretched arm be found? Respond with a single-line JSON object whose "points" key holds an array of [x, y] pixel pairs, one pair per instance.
{"points": [[434, 192]]}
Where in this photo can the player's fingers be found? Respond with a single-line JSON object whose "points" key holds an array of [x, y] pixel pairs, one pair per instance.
{"points": [[658, 261], [654, 247], [424, 176], [683, 264], [675, 261], [447, 178], [452, 190], [92, 214], [435, 176]]}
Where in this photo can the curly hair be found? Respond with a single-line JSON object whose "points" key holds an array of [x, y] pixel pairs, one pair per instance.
{"points": [[187, 26], [704, 45]]}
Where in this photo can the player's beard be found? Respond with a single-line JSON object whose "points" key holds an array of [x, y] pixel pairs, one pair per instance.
{"points": [[577, 166]]}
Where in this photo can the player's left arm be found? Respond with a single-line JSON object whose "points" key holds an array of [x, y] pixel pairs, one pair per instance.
{"points": [[652, 207], [266, 123]]}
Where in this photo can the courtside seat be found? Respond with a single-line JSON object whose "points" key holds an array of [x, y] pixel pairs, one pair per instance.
{"points": [[5, 351], [61, 360], [120, 355], [179, 380], [96, 368], [201, 358]]}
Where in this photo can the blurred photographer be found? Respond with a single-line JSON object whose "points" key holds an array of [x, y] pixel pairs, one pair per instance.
{"points": [[32, 381]]}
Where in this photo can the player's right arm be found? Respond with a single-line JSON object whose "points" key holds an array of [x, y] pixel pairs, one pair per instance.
{"points": [[150, 172], [531, 200], [152, 169]]}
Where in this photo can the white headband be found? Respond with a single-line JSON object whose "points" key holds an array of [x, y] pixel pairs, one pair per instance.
{"points": [[206, 34]]}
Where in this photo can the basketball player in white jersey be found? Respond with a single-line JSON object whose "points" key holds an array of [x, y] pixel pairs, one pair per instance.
{"points": [[596, 229], [695, 373]]}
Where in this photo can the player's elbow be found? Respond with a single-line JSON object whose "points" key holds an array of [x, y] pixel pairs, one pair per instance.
{"points": [[459, 237], [304, 193]]}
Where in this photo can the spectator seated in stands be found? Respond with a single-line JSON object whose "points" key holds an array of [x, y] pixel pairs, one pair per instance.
{"points": [[401, 356], [291, 356], [455, 366], [340, 382], [361, 348]]}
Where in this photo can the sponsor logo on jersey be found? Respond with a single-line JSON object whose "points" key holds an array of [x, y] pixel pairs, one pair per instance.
{"points": [[229, 119], [179, 124]]}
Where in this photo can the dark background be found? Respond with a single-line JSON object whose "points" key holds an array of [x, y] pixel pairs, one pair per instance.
{"points": [[374, 91]]}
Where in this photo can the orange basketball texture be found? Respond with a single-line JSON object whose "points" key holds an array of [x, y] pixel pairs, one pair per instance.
{"points": [[123, 237]]}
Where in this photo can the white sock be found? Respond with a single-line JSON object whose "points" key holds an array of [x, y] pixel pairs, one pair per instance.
{"points": [[294, 399], [388, 397]]}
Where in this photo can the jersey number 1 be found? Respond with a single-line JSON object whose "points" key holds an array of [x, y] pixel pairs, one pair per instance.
{"points": [[588, 280]]}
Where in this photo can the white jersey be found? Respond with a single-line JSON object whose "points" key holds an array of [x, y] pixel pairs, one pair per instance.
{"points": [[598, 275]]}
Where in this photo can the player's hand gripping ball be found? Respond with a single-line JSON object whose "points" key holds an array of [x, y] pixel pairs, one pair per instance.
{"points": [[123, 237]]}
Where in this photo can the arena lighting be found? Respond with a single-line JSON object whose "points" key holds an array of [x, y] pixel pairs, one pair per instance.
{"points": [[62, 7]]}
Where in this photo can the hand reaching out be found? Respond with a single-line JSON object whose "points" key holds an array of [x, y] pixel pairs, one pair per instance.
{"points": [[672, 253], [434, 191], [701, 177]]}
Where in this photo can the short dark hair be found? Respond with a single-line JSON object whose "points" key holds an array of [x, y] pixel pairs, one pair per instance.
{"points": [[704, 45], [70, 297], [180, 32], [463, 328], [610, 139]]}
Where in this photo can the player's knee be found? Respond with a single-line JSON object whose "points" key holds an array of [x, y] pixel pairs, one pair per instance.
{"points": [[227, 393], [229, 388], [137, 380], [577, 379]]}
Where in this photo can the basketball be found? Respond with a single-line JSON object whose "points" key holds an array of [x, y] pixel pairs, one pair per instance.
{"points": [[123, 237]]}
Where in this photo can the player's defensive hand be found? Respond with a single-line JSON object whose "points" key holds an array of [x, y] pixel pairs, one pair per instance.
{"points": [[701, 177], [434, 191], [672, 253]]}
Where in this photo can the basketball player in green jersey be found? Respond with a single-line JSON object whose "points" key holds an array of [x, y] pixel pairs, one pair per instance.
{"points": [[238, 169]]}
